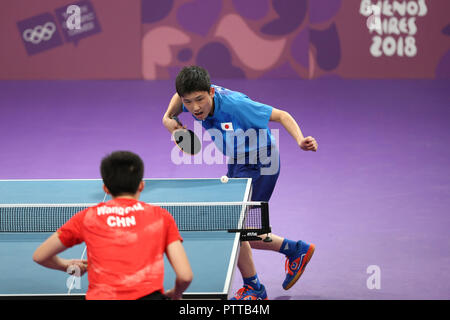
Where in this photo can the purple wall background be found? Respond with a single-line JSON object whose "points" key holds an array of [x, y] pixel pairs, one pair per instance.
{"points": [[253, 39]]}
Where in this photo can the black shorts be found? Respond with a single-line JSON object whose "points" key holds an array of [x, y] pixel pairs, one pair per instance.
{"points": [[157, 295]]}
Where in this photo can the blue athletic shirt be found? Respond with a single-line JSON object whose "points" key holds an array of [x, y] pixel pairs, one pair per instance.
{"points": [[235, 125]]}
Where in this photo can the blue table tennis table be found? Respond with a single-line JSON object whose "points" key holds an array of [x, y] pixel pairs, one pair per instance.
{"points": [[212, 254]]}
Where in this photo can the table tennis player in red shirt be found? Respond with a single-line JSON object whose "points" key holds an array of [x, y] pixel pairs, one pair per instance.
{"points": [[125, 238]]}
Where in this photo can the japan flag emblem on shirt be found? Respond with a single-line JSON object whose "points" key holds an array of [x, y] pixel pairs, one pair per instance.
{"points": [[227, 126]]}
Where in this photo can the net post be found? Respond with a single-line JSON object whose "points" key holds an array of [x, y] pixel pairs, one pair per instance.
{"points": [[265, 223], [255, 234]]}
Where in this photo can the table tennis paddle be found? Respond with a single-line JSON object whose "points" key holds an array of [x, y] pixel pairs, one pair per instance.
{"points": [[186, 139]]}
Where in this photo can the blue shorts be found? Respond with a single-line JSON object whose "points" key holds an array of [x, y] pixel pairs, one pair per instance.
{"points": [[262, 185]]}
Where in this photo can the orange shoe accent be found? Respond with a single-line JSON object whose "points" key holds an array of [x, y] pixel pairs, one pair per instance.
{"points": [[287, 266], [240, 293], [305, 261]]}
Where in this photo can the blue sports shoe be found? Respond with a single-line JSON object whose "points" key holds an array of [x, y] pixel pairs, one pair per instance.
{"points": [[248, 293], [296, 264]]}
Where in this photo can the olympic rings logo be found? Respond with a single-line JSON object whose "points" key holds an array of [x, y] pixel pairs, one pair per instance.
{"points": [[39, 33]]}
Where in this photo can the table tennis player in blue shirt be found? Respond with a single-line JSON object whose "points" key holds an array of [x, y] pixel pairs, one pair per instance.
{"points": [[239, 128]]}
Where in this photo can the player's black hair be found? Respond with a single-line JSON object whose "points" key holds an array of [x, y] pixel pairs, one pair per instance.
{"points": [[191, 79], [122, 172]]}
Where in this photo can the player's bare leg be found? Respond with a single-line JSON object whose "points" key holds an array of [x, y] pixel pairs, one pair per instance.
{"points": [[274, 244], [245, 261], [252, 289]]}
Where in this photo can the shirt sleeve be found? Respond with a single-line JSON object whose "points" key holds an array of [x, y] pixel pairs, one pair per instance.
{"points": [[250, 113], [70, 233]]}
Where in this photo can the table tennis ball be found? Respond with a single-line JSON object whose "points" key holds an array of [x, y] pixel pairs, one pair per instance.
{"points": [[224, 179]]}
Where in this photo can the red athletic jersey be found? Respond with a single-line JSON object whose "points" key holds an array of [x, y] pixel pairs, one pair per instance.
{"points": [[126, 240]]}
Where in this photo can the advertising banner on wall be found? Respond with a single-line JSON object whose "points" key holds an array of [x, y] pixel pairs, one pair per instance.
{"points": [[384, 39], [85, 39], [251, 39]]}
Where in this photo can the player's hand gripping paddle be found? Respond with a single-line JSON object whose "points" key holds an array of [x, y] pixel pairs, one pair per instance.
{"points": [[186, 139]]}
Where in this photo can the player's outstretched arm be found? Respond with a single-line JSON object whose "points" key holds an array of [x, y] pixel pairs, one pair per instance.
{"points": [[291, 126], [46, 255], [174, 109], [180, 264]]}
